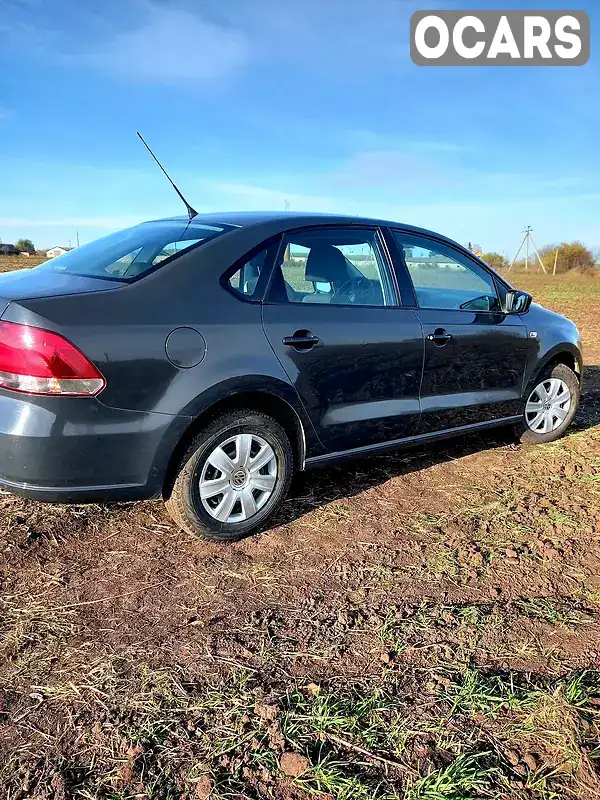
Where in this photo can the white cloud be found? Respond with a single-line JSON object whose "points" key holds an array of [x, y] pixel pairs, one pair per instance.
{"points": [[341, 38], [437, 146], [361, 139], [255, 198], [431, 174], [170, 45]]}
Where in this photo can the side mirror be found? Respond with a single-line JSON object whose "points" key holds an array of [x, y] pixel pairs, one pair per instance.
{"points": [[517, 302]]}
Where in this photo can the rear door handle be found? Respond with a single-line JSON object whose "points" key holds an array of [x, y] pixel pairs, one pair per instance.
{"points": [[439, 337], [301, 340]]}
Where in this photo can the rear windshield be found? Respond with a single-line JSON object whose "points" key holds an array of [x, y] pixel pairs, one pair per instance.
{"points": [[133, 252]]}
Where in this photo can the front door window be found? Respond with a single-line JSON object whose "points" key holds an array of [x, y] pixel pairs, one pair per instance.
{"points": [[442, 281]]}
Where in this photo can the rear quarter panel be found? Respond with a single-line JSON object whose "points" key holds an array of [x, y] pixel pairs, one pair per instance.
{"points": [[124, 333], [123, 330]]}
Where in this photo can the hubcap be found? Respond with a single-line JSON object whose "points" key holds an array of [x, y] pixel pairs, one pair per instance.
{"points": [[548, 405], [238, 478]]}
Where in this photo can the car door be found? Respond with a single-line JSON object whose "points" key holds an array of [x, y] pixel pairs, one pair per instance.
{"points": [[475, 354], [333, 318]]}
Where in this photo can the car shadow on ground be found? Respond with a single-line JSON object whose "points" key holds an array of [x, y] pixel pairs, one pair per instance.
{"points": [[319, 487]]}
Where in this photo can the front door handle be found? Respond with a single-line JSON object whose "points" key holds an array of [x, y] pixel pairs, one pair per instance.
{"points": [[301, 340], [439, 337]]}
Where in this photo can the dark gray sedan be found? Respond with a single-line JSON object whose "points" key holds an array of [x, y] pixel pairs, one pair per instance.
{"points": [[205, 361]]}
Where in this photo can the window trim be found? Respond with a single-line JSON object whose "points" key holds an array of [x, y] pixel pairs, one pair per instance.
{"points": [[406, 290], [388, 264], [272, 246], [496, 280]]}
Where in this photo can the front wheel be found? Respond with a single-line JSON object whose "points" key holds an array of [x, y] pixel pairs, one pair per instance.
{"points": [[233, 478], [550, 405]]}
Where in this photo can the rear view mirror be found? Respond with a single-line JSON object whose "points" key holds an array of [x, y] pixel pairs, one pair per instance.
{"points": [[517, 302]]}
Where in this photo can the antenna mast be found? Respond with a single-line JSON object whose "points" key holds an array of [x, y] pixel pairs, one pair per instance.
{"points": [[191, 211]]}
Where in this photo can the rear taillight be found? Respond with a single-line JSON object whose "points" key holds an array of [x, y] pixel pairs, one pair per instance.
{"points": [[42, 362]]}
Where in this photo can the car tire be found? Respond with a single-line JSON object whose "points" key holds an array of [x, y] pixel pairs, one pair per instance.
{"points": [[558, 375], [239, 442]]}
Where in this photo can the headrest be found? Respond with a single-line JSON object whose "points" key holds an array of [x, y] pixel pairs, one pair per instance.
{"points": [[326, 264]]}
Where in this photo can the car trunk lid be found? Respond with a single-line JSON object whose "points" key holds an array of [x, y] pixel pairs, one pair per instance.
{"points": [[27, 284]]}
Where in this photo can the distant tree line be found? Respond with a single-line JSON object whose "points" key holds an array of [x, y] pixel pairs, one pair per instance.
{"points": [[25, 245], [20, 246], [567, 255]]}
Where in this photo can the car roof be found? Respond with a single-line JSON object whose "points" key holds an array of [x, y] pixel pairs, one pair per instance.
{"points": [[243, 219]]}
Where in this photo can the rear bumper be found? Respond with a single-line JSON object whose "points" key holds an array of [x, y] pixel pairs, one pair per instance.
{"points": [[60, 449]]}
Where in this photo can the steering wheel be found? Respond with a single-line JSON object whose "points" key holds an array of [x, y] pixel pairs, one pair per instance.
{"points": [[353, 289]]}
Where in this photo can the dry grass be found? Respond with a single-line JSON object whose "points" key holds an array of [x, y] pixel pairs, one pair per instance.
{"points": [[423, 625], [11, 263]]}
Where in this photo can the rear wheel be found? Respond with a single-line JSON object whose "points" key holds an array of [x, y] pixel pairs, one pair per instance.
{"points": [[233, 477], [550, 405]]}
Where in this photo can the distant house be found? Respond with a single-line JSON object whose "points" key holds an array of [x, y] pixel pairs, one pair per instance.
{"points": [[57, 251], [8, 249]]}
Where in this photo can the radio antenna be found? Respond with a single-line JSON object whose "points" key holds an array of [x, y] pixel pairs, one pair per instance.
{"points": [[191, 211]]}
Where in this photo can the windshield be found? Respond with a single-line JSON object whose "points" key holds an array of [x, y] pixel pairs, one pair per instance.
{"points": [[133, 252]]}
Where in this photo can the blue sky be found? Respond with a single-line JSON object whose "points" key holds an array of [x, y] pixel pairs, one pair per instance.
{"points": [[250, 102]]}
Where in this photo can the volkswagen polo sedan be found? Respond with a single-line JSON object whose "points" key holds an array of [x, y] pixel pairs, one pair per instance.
{"points": [[206, 360]]}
